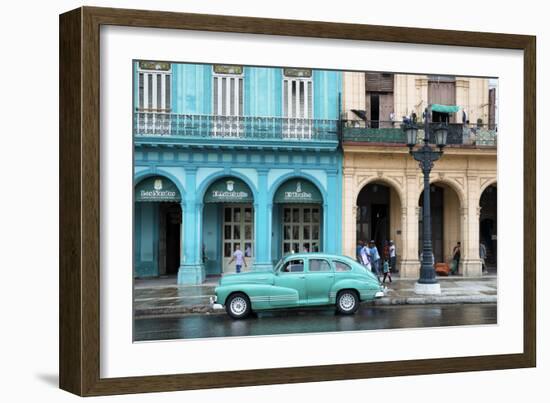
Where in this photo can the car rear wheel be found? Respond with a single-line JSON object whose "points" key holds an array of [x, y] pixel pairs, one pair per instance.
{"points": [[347, 302], [238, 306]]}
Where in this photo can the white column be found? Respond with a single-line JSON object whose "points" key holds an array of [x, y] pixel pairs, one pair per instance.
{"points": [[236, 96], [220, 98], [471, 263], [349, 206], [154, 78], [227, 99], [306, 100], [162, 78], [146, 78], [289, 97]]}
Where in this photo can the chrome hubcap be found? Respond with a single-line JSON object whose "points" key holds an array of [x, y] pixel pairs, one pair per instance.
{"points": [[238, 306], [347, 302]]}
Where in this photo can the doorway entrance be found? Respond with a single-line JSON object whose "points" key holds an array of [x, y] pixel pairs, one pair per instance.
{"points": [[488, 228], [446, 221], [228, 223], [436, 204], [297, 218], [373, 215], [169, 238], [238, 231], [301, 229], [157, 228]]}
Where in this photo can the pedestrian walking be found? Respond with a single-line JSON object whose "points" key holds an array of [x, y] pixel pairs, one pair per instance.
{"points": [[375, 257], [386, 270], [483, 256], [393, 257], [238, 257], [365, 258], [455, 259], [386, 250], [358, 249]]}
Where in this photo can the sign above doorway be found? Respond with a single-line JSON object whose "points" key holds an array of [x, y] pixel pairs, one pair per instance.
{"points": [[157, 189], [228, 190], [298, 191]]}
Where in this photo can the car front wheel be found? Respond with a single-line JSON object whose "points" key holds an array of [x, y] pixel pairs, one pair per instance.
{"points": [[238, 306], [347, 302]]}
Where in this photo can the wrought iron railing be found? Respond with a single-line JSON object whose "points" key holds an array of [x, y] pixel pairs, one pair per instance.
{"points": [[234, 127], [391, 132]]}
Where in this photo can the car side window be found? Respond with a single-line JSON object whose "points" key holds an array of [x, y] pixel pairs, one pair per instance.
{"points": [[318, 265], [293, 266], [340, 266]]}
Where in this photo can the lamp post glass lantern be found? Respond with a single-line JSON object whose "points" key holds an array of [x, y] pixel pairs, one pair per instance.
{"points": [[411, 133], [426, 155], [441, 136]]}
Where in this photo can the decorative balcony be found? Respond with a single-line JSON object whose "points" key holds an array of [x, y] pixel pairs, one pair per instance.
{"points": [[383, 132], [152, 128]]}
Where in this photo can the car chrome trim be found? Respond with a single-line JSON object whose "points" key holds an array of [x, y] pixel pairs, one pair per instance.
{"points": [[267, 298], [379, 294]]}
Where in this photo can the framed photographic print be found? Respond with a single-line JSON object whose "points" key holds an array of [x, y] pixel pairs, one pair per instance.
{"points": [[239, 193]]}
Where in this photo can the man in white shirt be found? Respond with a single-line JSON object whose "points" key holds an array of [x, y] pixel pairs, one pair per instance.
{"points": [[393, 257], [238, 257]]}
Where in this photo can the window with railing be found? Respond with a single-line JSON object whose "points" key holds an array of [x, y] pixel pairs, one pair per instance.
{"points": [[297, 103], [154, 96], [227, 89]]}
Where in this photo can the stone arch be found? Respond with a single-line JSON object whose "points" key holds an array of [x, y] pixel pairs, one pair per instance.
{"points": [[393, 219], [448, 225], [392, 183], [485, 185], [459, 190]]}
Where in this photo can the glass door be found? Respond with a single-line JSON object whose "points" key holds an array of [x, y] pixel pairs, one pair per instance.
{"points": [[301, 229], [238, 230]]}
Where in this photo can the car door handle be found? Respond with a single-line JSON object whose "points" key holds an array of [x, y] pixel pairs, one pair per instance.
{"points": [[302, 276], [330, 275]]}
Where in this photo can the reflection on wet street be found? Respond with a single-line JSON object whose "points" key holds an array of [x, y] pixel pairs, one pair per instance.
{"points": [[314, 321]]}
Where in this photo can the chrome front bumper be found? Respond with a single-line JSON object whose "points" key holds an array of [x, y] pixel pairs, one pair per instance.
{"points": [[214, 304], [379, 294]]}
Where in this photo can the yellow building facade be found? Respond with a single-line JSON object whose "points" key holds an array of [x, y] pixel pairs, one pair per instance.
{"points": [[383, 184]]}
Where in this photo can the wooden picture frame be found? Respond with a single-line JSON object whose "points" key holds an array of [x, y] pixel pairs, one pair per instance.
{"points": [[80, 198]]}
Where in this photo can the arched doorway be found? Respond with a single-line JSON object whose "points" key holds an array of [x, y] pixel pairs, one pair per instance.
{"points": [[157, 227], [488, 227], [297, 218], [445, 219], [378, 216], [228, 224]]}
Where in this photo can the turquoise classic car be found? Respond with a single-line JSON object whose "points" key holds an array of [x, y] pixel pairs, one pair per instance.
{"points": [[299, 280]]}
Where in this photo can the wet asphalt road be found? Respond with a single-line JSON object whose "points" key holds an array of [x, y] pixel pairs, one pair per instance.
{"points": [[314, 321]]}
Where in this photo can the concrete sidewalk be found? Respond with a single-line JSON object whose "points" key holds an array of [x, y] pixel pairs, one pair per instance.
{"points": [[164, 297]]}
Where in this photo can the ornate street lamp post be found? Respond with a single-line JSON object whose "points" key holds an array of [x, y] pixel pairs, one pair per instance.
{"points": [[426, 155]]}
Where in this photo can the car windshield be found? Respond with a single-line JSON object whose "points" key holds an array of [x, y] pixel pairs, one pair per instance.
{"points": [[278, 266]]}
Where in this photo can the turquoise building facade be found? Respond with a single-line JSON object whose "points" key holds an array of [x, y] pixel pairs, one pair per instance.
{"points": [[229, 157]]}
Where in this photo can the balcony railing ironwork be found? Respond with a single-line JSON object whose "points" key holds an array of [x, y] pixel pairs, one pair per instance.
{"points": [[391, 132], [234, 127]]}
